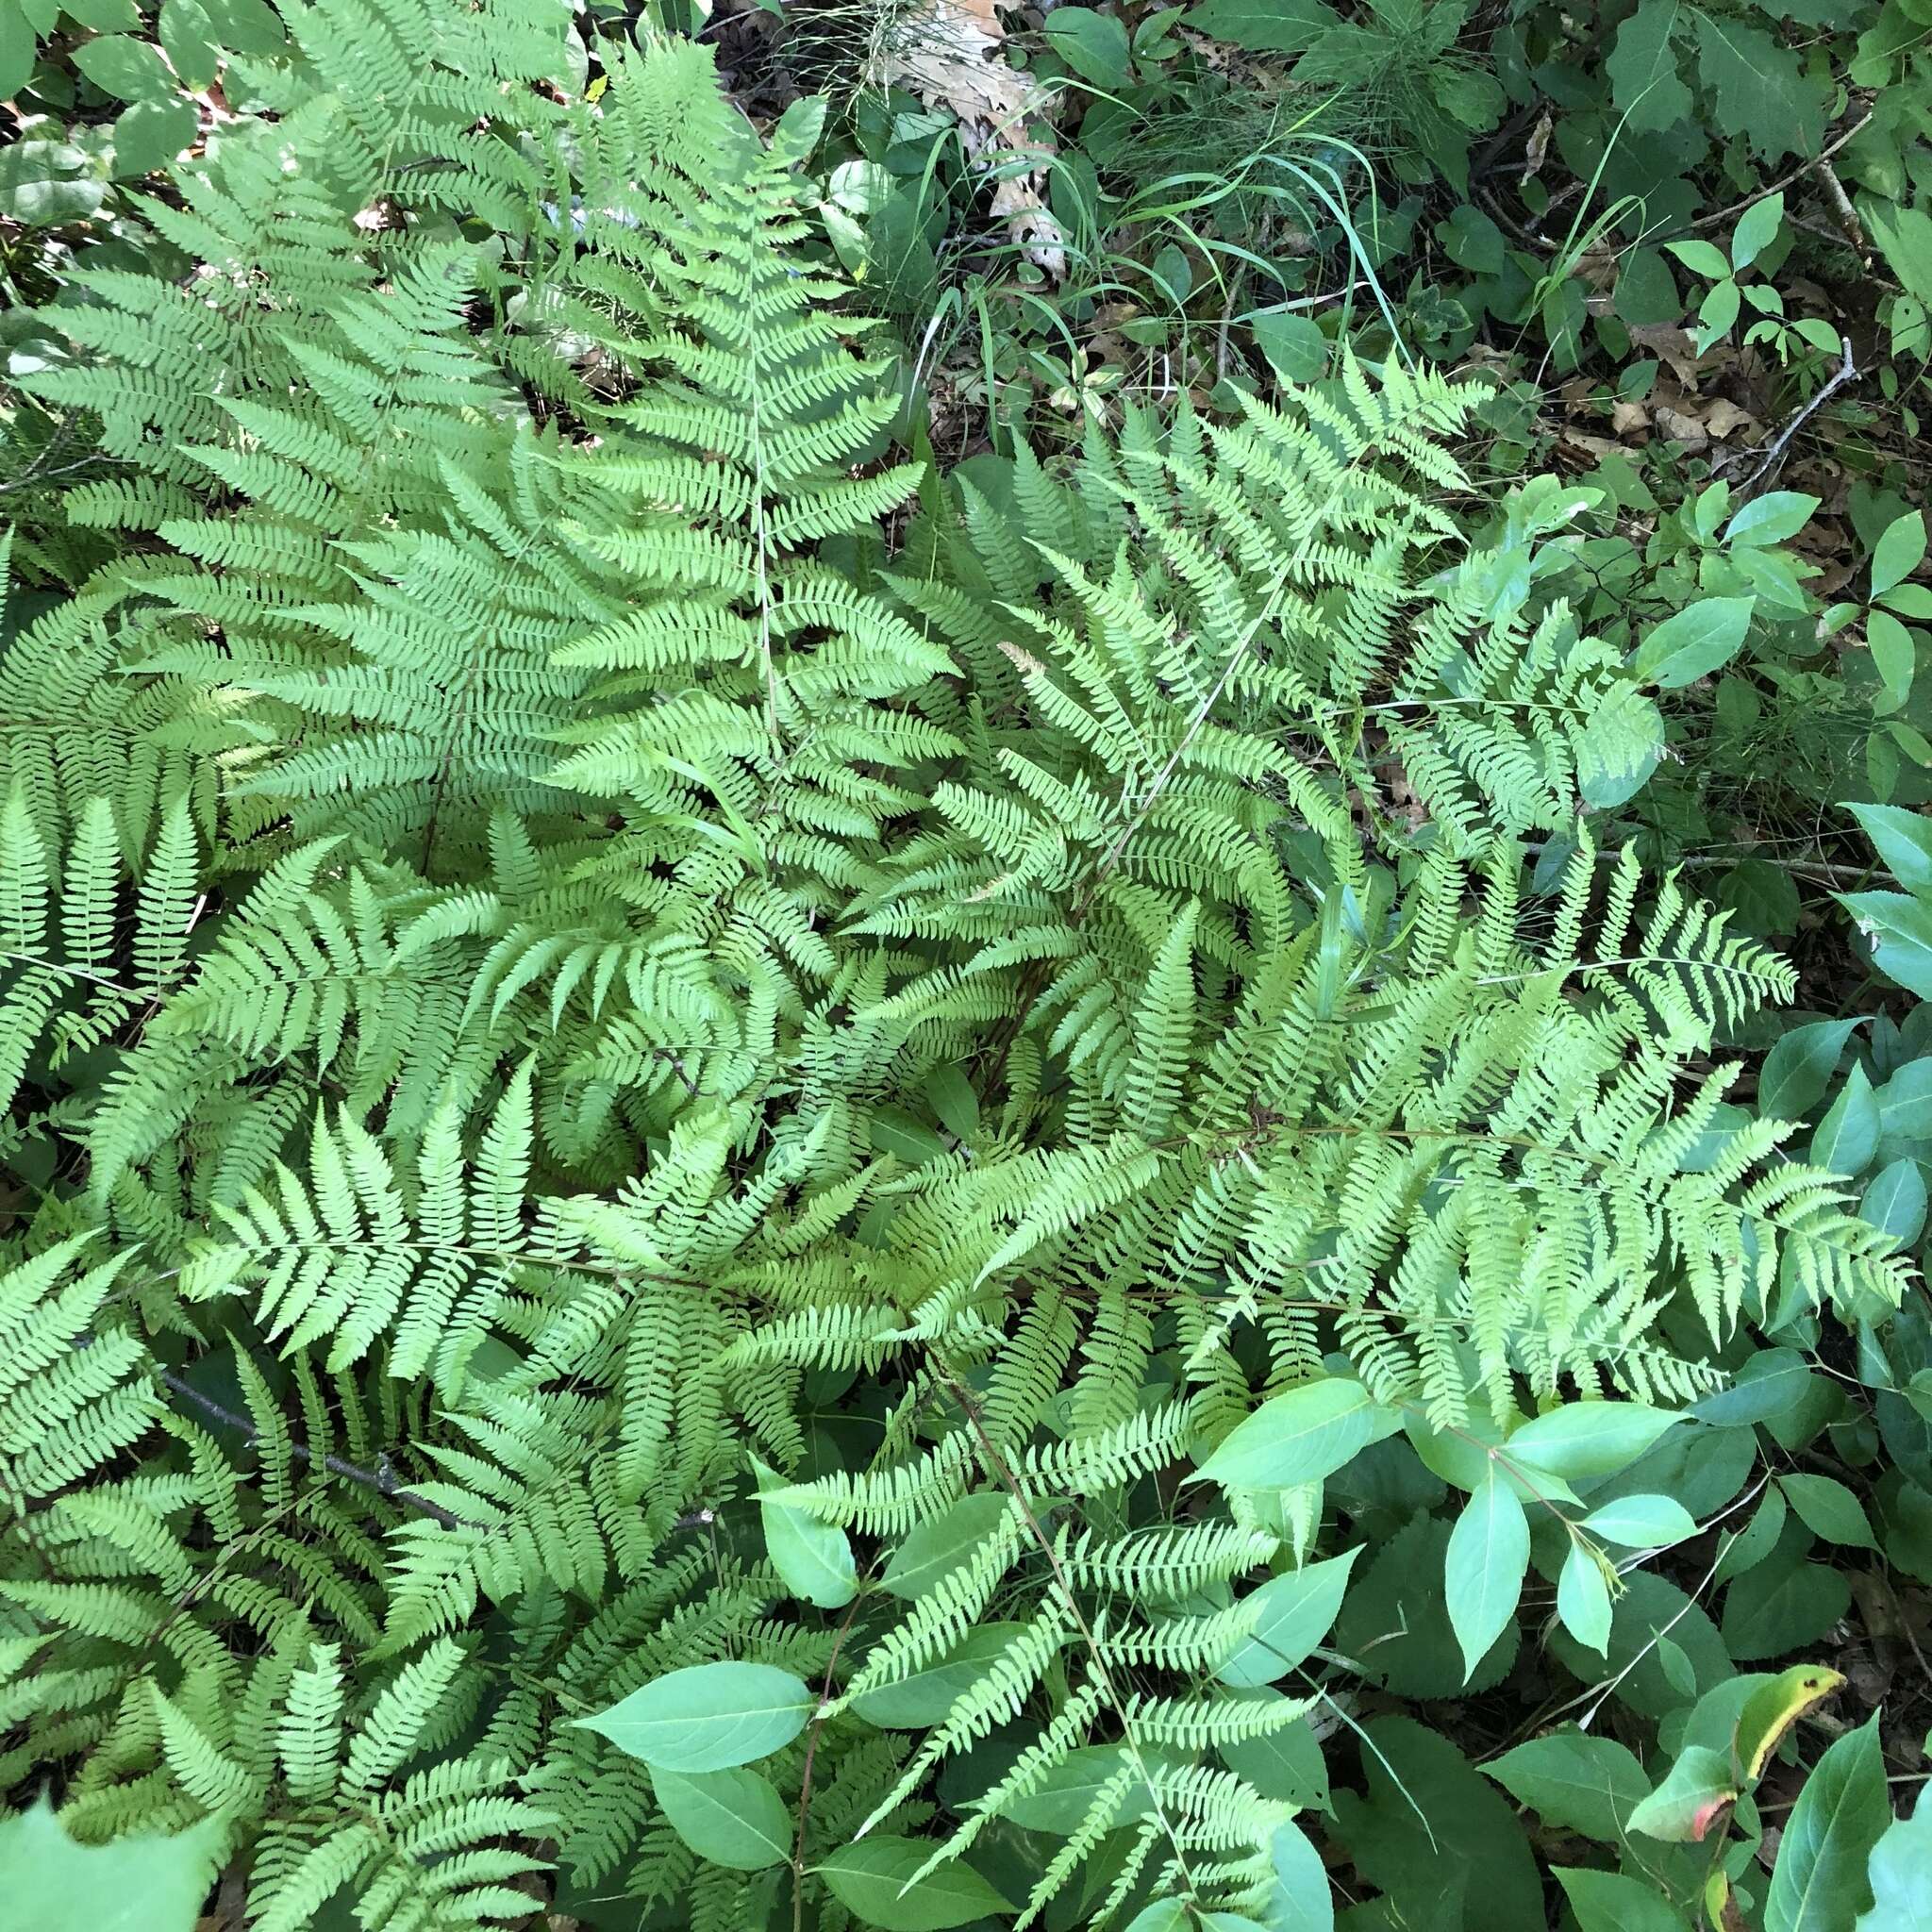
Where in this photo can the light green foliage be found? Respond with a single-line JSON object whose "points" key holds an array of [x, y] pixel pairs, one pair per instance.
{"points": [[666, 1131]]}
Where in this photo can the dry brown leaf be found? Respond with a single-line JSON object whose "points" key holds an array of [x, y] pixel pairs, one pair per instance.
{"points": [[1722, 417], [1672, 346], [1628, 418], [1538, 148], [951, 54], [1684, 428]]}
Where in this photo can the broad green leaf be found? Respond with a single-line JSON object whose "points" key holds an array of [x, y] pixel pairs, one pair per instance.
{"points": [[1847, 1136], [1431, 1828], [733, 1818], [934, 1550], [1894, 656], [1462, 1457], [1898, 552], [1300, 1437], [1300, 1899], [1576, 1782], [102, 16], [129, 69], [18, 51], [873, 1880], [1285, 1764], [1783, 1603], [139, 1884], [1702, 259], [1263, 26], [1640, 1523], [1900, 930], [813, 1558], [1761, 89], [151, 134], [246, 26], [1583, 1600], [1296, 1612], [1775, 1707], [1894, 1200], [1094, 45], [1695, 1793], [1799, 1067], [1484, 1567], [1062, 1801], [1697, 640], [949, 1095], [1589, 1438], [710, 1717], [1755, 231], [1773, 518], [1645, 84], [1745, 1549], [1899, 1875], [1819, 1883], [1294, 344], [1904, 839], [929, 1693], [1827, 1509], [1771, 1383], [894, 1131], [188, 39], [1905, 1103], [1163, 1915], [1613, 1902]]}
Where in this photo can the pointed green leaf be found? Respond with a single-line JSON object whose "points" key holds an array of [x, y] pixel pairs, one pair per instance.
{"points": [[1300, 1437], [1773, 518], [924, 1697], [873, 1880], [1641, 1522], [1898, 552], [1827, 1509], [139, 1884], [813, 1558], [1576, 1782], [1696, 1792], [1847, 1136], [1484, 1567], [1699, 640], [1589, 1438], [1819, 1882], [129, 69], [1904, 839], [1899, 1875], [733, 1818], [1300, 1898], [1799, 1067], [1583, 1600], [711, 1717], [1296, 1612], [934, 1550], [1756, 230], [1613, 1902]]}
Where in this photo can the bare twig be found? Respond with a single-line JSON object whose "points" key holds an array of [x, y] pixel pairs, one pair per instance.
{"points": [[1817, 160], [811, 1752], [1846, 372], [381, 1479]]}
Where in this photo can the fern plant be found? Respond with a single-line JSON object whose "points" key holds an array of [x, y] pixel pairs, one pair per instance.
{"points": [[680, 1161]]}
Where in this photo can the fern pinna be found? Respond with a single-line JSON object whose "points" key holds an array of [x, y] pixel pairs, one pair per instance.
{"points": [[680, 1176]]}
